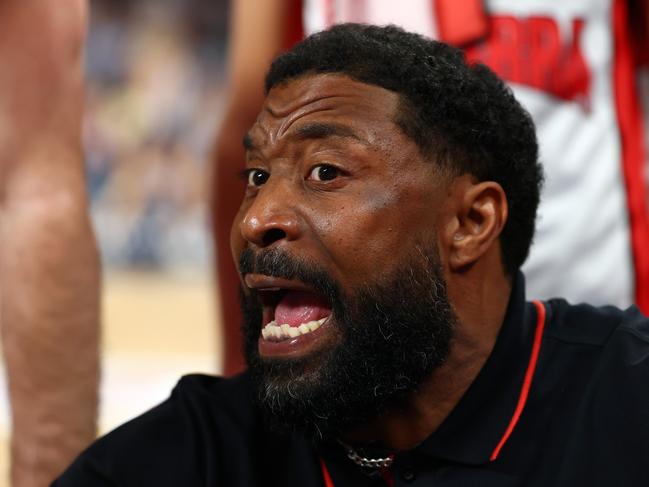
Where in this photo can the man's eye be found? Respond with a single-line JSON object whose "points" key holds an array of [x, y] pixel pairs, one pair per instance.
{"points": [[324, 172], [257, 177]]}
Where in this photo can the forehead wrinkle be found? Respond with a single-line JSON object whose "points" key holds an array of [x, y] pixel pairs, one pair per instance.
{"points": [[323, 130], [289, 103], [309, 131], [293, 103], [291, 109], [294, 117]]}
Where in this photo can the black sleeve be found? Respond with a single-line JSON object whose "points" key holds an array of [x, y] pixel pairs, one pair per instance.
{"points": [[207, 433], [82, 472], [166, 446]]}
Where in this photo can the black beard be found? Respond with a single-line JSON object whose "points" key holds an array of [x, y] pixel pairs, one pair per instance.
{"points": [[393, 335]]}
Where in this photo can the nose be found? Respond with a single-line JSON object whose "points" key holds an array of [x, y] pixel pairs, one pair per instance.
{"points": [[272, 217]]}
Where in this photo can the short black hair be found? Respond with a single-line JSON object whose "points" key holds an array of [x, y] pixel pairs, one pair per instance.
{"points": [[460, 115]]}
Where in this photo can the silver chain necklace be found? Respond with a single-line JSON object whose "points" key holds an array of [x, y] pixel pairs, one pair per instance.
{"points": [[385, 462]]}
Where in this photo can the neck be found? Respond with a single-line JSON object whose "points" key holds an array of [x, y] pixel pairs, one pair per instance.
{"points": [[480, 304]]}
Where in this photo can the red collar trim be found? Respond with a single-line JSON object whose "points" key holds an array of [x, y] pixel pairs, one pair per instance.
{"points": [[325, 474], [527, 383]]}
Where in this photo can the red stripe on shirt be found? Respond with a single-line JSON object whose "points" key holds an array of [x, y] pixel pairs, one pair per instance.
{"points": [[527, 382], [631, 139]]}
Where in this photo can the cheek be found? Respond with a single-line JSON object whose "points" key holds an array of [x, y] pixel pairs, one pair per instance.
{"points": [[373, 232]]}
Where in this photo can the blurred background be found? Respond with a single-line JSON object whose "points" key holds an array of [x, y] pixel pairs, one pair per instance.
{"points": [[155, 71]]}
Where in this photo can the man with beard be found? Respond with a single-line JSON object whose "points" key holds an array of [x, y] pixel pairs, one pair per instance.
{"points": [[390, 201]]}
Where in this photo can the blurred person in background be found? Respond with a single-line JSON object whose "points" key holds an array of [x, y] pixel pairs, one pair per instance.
{"points": [[572, 65], [154, 82], [49, 266]]}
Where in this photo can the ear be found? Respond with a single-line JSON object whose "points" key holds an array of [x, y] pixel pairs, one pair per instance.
{"points": [[479, 216]]}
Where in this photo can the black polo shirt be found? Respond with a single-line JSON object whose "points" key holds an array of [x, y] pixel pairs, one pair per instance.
{"points": [[562, 401]]}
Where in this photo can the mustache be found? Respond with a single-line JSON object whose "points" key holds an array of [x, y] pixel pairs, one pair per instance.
{"points": [[279, 263]]}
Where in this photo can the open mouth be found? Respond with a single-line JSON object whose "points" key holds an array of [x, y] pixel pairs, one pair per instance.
{"points": [[291, 313]]}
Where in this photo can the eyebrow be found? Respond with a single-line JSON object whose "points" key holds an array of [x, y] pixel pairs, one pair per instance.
{"points": [[315, 130], [322, 130], [248, 144]]}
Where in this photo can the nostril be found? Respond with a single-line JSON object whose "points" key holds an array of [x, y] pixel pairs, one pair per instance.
{"points": [[273, 235]]}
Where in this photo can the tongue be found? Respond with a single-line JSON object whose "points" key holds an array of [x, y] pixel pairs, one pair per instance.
{"points": [[299, 307]]}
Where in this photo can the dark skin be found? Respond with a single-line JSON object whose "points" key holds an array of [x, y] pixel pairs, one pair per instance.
{"points": [[333, 180]]}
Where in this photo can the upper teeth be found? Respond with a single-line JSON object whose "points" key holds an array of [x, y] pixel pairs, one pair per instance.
{"points": [[273, 331]]}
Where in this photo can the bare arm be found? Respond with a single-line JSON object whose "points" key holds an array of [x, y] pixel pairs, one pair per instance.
{"points": [[49, 270], [257, 35]]}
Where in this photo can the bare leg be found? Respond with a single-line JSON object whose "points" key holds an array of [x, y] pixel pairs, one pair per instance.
{"points": [[49, 268]]}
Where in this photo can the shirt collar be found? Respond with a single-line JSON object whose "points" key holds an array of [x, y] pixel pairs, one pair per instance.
{"points": [[474, 428]]}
